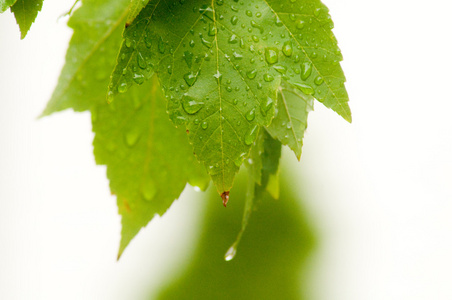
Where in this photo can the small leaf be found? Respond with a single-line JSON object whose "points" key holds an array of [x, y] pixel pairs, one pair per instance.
{"points": [[25, 12], [91, 55], [291, 121], [148, 161]]}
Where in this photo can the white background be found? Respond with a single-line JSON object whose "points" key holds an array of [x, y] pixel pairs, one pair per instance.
{"points": [[379, 190]]}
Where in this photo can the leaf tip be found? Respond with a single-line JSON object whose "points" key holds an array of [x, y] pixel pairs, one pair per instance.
{"points": [[110, 97], [225, 197], [348, 118]]}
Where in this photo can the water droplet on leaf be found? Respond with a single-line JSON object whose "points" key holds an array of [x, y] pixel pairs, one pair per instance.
{"points": [[191, 105], [271, 55]]}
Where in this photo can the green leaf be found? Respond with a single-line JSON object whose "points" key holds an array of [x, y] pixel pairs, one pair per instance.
{"points": [[263, 166], [5, 4], [25, 12], [134, 9], [220, 62], [291, 119], [148, 160], [83, 82], [270, 166]]}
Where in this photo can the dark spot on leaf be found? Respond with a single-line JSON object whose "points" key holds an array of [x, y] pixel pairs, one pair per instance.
{"points": [[126, 205], [187, 131], [127, 25], [225, 197]]}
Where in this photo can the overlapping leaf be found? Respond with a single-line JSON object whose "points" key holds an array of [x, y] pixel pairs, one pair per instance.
{"points": [[91, 55], [221, 62], [263, 168], [291, 119], [148, 160]]}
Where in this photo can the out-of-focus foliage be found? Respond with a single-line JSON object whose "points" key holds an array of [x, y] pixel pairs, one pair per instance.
{"points": [[271, 262]]}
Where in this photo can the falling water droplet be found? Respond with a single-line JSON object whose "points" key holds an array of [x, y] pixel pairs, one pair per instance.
{"points": [[230, 254], [318, 80]]}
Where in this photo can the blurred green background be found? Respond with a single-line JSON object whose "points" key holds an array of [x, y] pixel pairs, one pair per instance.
{"points": [[272, 258]]}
